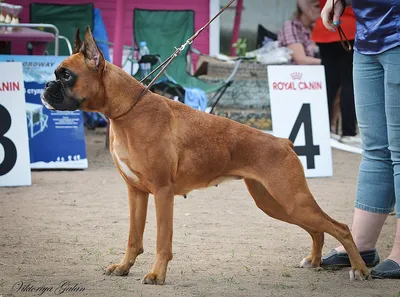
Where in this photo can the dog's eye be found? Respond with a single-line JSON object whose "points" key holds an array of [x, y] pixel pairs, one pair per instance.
{"points": [[66, 76]]}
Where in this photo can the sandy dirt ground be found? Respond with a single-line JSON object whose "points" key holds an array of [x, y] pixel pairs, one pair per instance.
{"points": [[60, 233]]}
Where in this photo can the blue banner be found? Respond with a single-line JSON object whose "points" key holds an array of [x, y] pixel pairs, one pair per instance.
{"points": [[56, 138]]}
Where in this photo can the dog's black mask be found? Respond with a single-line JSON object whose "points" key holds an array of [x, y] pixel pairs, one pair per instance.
{"points": [[54, 89], [57, 93]]}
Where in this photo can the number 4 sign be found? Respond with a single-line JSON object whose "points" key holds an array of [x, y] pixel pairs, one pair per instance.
{"points": [[300, 112], [14, 146]]}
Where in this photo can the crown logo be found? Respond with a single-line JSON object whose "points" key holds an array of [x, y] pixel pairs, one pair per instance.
{"points": [[296, 75]]}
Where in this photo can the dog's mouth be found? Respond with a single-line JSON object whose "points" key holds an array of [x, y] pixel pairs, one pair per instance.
{"points": [[54, 97], [47, 105]]}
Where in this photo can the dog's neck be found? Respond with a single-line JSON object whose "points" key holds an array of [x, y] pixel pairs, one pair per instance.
{"points": [[122, 92]]}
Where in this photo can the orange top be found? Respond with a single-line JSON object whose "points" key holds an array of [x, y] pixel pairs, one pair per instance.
{"points": [[322, 35]]}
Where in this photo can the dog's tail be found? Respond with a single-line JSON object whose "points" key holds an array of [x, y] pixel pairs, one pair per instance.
{"points": [[290, 143]]}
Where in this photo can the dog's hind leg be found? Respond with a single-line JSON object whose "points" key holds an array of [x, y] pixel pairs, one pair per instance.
{"points": [[138, 202], [271, 207], [285, 181]]}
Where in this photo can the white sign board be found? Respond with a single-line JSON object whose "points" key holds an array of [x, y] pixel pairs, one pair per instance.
{"points": [[14, 146], [299, 111]]}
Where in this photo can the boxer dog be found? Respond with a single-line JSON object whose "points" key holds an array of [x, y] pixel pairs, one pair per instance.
{"points": [[166, 148]]}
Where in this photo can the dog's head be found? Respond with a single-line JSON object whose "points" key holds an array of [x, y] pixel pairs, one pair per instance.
{"points": [[78, 83]]}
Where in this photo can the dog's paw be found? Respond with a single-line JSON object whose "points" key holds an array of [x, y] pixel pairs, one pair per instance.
{"points": [[306, 263], [358, 275], [153, 279], [118, 269]]}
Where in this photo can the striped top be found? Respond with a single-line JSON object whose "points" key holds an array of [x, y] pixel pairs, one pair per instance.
{"points": [[294, 31]]}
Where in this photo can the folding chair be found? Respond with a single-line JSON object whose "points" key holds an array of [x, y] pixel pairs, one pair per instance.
{"points": [[67, 18], [163, 30]]}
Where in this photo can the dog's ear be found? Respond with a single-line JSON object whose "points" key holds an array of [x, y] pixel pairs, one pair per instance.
{"points": [[93, 56], [78, 42]]}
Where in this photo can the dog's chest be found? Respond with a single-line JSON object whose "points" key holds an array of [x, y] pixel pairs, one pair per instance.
{"points": [[124, 164]]}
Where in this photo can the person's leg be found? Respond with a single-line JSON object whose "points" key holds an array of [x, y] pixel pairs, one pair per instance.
{"points": [[347, 106], [395, 254], [335, 119], [375, 187], [390, 267], [332, 72], [391, 62], [365, 229]]}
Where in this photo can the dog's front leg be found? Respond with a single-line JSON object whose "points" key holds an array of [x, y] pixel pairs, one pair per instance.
{"points": [[138, 201], [164, 201]]}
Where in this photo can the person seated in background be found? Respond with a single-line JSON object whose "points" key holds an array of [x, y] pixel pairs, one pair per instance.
{"points": [[338, 65], [296, 33]]}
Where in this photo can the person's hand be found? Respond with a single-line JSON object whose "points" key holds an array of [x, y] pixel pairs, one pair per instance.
{"points": [[330, 17]]}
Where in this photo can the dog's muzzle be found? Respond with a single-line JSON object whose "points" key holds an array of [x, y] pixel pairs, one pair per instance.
{"points": [[54, 97]]}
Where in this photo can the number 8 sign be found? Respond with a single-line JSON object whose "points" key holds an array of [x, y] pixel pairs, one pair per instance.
{"points": [[14, 146], [10, 151], [300, 112]]}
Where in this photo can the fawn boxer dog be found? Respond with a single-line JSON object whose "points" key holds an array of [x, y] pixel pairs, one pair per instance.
{"points": [[166, 148]]}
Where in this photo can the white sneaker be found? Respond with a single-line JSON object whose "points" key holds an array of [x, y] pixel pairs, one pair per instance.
{"points": [[351, 140], [335, 136]]}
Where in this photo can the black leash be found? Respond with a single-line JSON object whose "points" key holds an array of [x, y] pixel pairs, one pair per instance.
{"points": [[171, 58], [343, 39]]}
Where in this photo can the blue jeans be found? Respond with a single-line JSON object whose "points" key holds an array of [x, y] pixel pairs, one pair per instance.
{"points": [[377, 100]]}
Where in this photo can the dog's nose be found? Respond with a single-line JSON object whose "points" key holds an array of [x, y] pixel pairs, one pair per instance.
{"points": [[50, 84]]}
